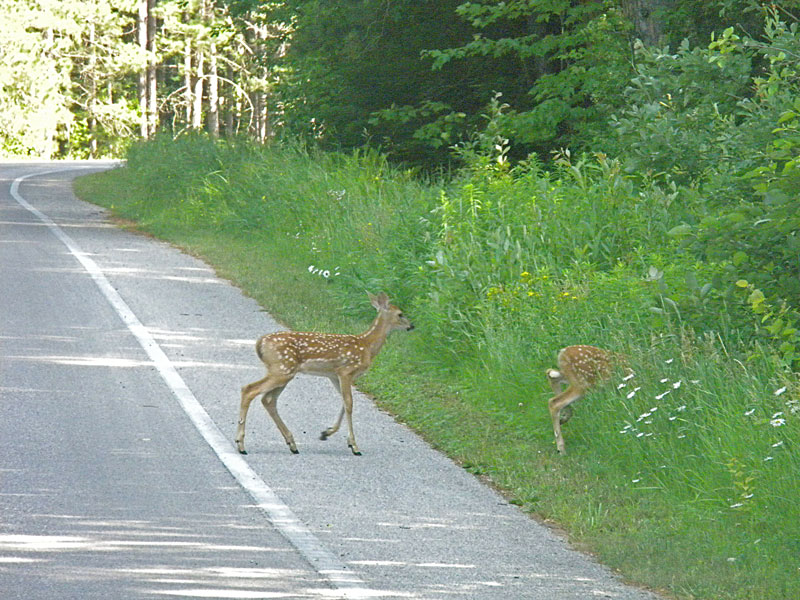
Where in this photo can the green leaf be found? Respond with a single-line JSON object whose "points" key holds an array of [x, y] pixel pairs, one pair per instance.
{"points": [[739, 258], [680, 231], [775, 327], [756, 297]]}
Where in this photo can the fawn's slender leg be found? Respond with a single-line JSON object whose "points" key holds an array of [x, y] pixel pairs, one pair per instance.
{"points": [[556, 380], [250, 391], [347, 400], [557, 404], [247, 398], [270, 402], [335, 427]]}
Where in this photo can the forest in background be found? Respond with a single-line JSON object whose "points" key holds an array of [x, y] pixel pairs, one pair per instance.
{"points": [[84, 78]]}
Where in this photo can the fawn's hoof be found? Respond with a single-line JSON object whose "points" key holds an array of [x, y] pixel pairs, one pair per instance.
{"points": [[324, 435], [355, 449]]}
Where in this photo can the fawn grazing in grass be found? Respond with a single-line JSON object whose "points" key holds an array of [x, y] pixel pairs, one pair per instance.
{"points": [[582, 368], [341, 358]]}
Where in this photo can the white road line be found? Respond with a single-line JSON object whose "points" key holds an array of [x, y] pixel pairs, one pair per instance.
{"points": [[281, 516]]}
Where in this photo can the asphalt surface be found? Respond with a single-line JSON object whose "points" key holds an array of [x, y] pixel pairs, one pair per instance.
{"points": [[113, 484]]}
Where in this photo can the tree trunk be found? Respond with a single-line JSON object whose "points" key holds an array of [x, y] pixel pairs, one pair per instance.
{"points": [[187, 78], [141, 27], [91, 104], [152, 86], [213, 93], [229, 104], [197, 110], [644, 14]]}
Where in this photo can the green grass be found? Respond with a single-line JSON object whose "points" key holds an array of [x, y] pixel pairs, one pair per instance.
{"points": [[498, 269]]}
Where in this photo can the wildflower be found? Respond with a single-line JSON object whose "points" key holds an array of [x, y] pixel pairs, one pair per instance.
{"points": [[676, 385], [640, 434], [635, 480], [621, 385], [629, 376], [769, 458], [631, 394], [654, 409], [673, 418], [643, 416], [777, 414], [665, 380], [681, 436], [749, 412], [777, 444], [681, 408], [661, 395], [748, 496], [524, 274], [780, 391], [669, 361], [694, 381], [737, 505], [777, 422]]}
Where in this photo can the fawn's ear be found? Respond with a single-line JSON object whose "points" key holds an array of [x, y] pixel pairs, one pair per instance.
{"points": [[380, 302]]}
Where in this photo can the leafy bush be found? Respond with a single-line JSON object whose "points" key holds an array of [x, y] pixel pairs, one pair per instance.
{"points": [[682, 113]]}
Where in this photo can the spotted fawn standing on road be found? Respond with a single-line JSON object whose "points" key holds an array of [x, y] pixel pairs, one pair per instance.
{"points": [[582, 367], [341, 358]]}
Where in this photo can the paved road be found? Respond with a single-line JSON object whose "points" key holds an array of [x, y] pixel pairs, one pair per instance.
{"points": [[120, 365]]}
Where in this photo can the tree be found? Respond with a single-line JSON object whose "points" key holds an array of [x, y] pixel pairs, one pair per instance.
{"points": [[63, 86], [349, 60], [148, 92]]}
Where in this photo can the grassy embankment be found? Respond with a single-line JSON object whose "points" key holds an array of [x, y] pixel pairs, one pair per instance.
{"points": [[685, 480]]}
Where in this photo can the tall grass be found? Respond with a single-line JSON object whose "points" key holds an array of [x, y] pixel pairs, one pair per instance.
{"points": [[685, 478]]}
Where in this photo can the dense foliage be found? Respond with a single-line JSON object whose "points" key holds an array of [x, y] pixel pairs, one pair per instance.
{"points": [[412, 77]]}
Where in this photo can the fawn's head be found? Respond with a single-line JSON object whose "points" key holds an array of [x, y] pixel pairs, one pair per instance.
{"points": [[393, 315]]}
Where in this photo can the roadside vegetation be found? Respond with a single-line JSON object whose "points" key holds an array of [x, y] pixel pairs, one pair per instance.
{"points": [[673, 241]]}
